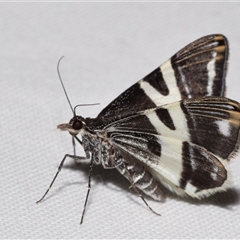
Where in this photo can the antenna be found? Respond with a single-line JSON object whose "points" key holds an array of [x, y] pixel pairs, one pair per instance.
{"points": [[83, 105], [64, 87]]}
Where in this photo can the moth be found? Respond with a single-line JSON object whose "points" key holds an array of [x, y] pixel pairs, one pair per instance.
{"points": [[174, 128]]}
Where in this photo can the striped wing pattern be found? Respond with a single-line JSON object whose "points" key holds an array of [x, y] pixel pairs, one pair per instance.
{"points": [[171, 123], [197, 70], [164, 139], [174, 125]]}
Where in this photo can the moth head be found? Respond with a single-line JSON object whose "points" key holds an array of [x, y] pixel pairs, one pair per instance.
{"points": [[74, 127]]}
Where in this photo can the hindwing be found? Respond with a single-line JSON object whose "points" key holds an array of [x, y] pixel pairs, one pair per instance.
{"points": [[185, 144]]}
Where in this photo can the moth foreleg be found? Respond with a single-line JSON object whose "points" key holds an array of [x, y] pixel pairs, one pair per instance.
{"points": [[76, 158]]}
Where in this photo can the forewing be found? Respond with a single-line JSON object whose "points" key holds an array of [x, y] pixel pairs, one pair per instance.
{"points": [[197, 70], [185, 144]]}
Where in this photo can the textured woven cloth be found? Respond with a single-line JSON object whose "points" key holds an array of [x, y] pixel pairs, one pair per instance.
{"points": [[107, 48]]}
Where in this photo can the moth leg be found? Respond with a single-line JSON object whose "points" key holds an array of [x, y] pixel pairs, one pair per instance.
{"points": [[76, 158], [89, 188], [139, 177]]}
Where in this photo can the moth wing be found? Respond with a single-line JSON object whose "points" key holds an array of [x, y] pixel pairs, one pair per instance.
{"points": [[186, 144], [197, 70]]}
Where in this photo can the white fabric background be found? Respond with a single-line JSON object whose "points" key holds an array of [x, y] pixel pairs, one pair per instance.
{"points": [[107, 48]]}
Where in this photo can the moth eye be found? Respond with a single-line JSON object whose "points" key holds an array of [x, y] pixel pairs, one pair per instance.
{"points": [[77, 125]]}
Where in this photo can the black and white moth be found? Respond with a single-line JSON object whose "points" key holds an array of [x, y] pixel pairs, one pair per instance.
{"points": [[173, 128]]}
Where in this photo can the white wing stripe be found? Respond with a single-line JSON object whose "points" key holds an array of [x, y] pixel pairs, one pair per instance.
{"points": [[170, 80], [211, 74], [151, 92]]}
